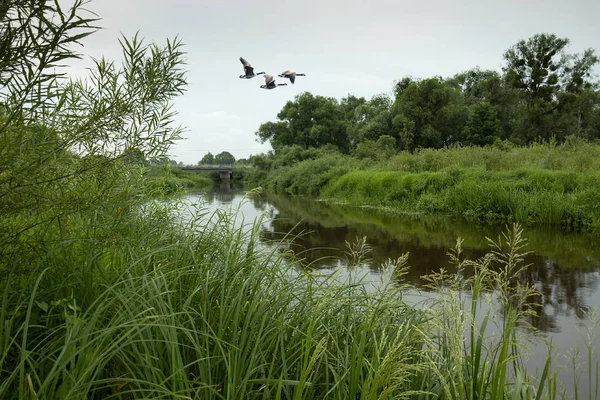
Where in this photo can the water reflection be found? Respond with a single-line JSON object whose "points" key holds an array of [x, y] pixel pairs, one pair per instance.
{"points": [[563, 266], [223, 195]]}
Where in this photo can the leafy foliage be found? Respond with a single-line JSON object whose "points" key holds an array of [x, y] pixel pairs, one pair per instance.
{"points": [[69, 147], [543, 92], [225, 157], [538, 184], [208, 158]]}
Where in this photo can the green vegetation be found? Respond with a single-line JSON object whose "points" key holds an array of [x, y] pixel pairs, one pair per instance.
{"points": [[543, 183], [543, 92], [223, 158], [169, 312], [520, 145], [108, 293], [167, 180]]}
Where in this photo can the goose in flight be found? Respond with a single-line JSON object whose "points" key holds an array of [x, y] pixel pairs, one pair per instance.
{"points": [[248, 70], [291, 75], [270, 83]]}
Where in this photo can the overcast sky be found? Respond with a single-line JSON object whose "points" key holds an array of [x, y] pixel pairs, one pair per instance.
{"points": [[357, 47]]}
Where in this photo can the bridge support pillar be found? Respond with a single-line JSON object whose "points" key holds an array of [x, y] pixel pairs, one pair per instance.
{"points": [[225, 176]]}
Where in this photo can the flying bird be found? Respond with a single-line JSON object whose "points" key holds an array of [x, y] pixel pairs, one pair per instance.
{"points": [[248, 70], [270, 83], [291, 75]]}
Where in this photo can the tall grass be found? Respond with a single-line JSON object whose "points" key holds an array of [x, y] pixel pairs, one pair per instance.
{"points": [[164, 308], [572, 155], [562, 198], [203, 315], [543, 183]]}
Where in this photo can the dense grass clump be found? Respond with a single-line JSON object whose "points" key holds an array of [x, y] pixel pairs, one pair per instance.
{"points": [[196, 308], [572, 155], [198, 315], [530, 196]]}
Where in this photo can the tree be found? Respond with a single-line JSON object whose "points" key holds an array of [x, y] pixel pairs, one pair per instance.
{"points": [[428, 113], [224, 158], [543, 72], [66, 147], [581, 95], [371, 120], [483, 126], [207, 159], [308, 121]]}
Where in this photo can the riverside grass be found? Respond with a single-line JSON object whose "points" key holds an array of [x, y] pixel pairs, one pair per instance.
{"points": [[543, 183], [194, 308], [563, 198]]}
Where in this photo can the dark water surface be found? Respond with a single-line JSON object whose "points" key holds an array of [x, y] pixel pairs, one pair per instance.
{"points": [[565, 267]]}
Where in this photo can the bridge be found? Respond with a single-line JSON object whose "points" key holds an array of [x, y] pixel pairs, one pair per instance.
{"points": [[224, 171]]}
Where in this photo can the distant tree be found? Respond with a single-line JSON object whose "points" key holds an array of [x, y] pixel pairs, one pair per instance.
{"points": [[479, 86], [401, 85], [484, 86], [308, 121], [224, 158], [483, 126], [371, 120], [581, 96], [543, 72], [207, 159], [428, 113]]}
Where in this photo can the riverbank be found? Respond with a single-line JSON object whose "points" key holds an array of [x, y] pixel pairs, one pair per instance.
{"points": [[541, 184], [199, 310], [166, 180]]}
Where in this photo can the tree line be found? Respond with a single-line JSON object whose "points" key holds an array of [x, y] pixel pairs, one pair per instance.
{"points": [[542, 93]]}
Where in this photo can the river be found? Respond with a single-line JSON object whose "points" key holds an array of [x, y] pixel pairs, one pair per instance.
{"points": [[564, 266]]}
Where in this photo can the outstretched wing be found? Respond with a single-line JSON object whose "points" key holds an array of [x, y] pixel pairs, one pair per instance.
{"points": [[268, 79], [246, 63], [248, 69], [292, 77]]}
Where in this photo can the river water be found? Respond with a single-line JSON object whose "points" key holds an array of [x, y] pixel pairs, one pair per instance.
{"points": [[565, 267]]}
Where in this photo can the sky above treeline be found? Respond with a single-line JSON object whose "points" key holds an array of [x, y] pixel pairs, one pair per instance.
{"points": [[358, 47]]}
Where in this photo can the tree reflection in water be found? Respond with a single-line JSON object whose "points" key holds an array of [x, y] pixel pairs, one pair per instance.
{"points": [[563, 266]]}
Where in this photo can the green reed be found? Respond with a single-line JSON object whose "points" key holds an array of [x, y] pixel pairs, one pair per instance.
{"points": [[161, 306]]}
